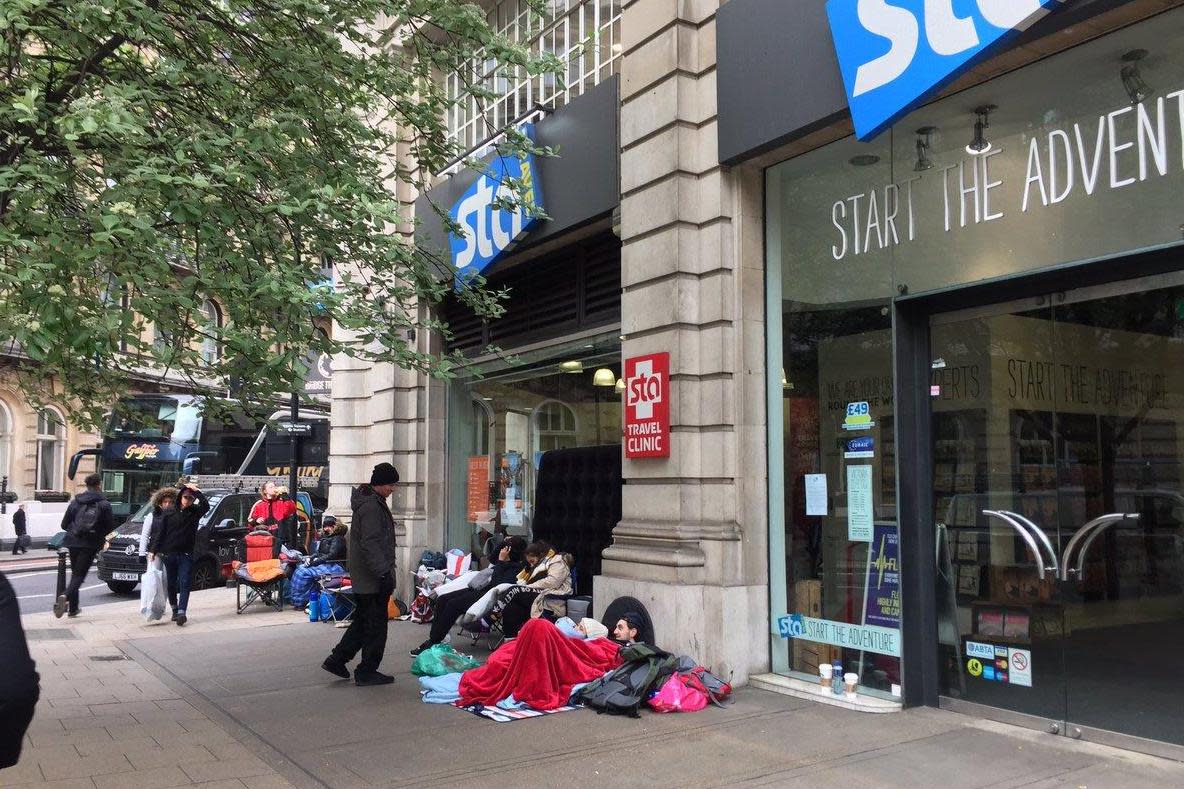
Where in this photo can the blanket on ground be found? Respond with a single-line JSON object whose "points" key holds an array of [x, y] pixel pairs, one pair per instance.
{"points": [[304, 579], [538, 668]]}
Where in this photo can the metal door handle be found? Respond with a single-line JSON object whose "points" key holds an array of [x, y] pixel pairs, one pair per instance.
{"points": [[1088, 533], [1041, 534], [1028, 538]]}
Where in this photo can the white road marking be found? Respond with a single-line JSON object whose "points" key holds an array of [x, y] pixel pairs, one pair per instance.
{"points": [[53, 594], [31, 575]]}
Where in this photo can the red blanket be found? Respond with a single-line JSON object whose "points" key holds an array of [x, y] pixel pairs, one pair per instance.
{"points": [[539, 668]]}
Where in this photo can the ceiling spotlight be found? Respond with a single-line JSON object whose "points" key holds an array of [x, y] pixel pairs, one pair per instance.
{"points": [[1132, 81], [604, 377], [571, 367], [864, 160], [924, 146], [980, 144]]}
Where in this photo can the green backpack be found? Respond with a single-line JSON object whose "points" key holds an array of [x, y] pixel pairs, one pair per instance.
{"points": [[629, 685]]}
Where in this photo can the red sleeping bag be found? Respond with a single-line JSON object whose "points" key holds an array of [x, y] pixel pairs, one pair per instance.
{"points": [[538, 668]]}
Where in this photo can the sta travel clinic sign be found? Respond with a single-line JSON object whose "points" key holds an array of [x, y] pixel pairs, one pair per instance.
{"points": [[489, 230], [893, 55], [647, 406]]}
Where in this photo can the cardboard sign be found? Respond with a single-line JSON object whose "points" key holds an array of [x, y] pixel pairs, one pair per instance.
{"points": [[647, 406], [478, 488]]}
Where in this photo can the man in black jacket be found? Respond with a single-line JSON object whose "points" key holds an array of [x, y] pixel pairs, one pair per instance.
{"points": [[87, 522], [20, 526], [372, 572], [174, 534]]}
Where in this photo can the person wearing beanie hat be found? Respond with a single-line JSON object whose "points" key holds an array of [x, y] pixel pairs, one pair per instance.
{"points": [[383, 474], [592, 628], [628, 626], [372, 571]]}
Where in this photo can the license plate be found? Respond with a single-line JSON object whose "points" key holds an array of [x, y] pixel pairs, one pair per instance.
{"points": [[125, 576]]}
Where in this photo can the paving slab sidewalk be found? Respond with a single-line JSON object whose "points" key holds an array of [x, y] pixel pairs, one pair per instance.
{"points": [[240, 702], [105, 722]]}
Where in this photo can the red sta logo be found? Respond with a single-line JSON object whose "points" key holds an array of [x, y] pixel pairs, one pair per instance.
{"points": [[645, 389]]}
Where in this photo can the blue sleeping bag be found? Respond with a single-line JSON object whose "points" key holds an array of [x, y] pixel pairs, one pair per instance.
{"points": [[304, 581]]}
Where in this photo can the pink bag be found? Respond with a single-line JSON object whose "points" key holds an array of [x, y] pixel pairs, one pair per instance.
{"points": [[676, 696]]}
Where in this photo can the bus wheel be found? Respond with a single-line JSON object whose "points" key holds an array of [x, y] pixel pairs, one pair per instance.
{"points": [[122, 587], [205, 575]]}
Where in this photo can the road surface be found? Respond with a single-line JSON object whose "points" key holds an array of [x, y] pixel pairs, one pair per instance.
{"points": [[35, 590]]}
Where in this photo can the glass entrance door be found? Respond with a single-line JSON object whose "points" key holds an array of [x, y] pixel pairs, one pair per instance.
{"points": [[1059, 502]]}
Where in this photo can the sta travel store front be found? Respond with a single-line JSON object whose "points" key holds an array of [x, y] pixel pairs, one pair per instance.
{"points": [[976, 319]]}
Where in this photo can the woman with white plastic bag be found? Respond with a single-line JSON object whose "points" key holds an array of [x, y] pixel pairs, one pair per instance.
{"points": [[153, 586]]}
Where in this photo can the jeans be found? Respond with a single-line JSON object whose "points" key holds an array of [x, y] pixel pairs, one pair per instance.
{"points": [[178, 567], [366, 632], [80, 561]]}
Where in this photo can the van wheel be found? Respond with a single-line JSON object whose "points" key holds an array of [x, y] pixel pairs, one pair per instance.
{"points": [[204, 575], [122, 587]]}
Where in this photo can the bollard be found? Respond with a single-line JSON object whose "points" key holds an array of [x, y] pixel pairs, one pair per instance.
{"points": [[62, 554]]}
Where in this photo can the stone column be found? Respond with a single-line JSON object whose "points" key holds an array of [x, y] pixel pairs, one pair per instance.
{"points": [[691, 544], [382, 413]]}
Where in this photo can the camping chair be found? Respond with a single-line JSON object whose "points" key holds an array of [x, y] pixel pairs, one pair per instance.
{"points": [[259, 574], [263, 581], [340, 592]]}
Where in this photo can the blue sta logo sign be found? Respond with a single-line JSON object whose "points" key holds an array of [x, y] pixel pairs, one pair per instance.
{"points": [[895, 54], [488, 231]]}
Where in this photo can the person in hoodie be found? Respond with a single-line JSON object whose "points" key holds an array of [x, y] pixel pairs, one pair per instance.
{"points": [[449, 607], [87, 522], [174, 533], [372, 572]]}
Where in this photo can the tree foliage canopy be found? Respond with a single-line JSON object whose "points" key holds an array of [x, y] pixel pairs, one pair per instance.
{"points": [[158, 153]]}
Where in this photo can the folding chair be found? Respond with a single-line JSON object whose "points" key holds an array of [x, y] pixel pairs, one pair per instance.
{"points": [[263, 582], [340, 592]]}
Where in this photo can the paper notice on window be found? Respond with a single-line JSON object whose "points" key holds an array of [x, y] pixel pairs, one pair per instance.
{"points": [[815, 494], [859, 503]]}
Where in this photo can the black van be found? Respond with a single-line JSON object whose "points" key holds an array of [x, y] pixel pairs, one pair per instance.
{"points": [[121, 565]]}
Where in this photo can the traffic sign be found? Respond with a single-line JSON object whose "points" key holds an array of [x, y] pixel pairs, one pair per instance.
{"points": [[295, 428]]}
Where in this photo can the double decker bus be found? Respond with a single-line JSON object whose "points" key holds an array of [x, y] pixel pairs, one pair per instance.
{"points": [[152, 439]]}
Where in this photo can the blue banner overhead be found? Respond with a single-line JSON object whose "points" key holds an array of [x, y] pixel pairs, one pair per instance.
{"points": [[894, 55], [488, 228]]}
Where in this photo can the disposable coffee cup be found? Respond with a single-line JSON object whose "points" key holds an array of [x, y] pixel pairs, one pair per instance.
{"points": [[851, 680], [826, 670]]}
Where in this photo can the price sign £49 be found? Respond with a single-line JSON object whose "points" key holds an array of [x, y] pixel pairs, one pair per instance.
{"points": [[858, 416]]}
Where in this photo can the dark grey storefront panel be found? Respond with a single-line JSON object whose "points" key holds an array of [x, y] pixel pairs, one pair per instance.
{"points": [[582, 183], [778, 78]]}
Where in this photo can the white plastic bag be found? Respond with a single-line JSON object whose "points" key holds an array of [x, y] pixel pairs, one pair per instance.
{"points": [[153, 591], [458, 562]]}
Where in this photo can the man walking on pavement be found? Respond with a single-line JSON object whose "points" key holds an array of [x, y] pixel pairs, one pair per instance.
{"points": [[20, 526], [372, 570], [87, 522], [174, 534]]}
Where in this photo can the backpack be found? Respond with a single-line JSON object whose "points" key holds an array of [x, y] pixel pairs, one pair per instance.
{"points": [[623, 691], [695, 676], [86, 521]]}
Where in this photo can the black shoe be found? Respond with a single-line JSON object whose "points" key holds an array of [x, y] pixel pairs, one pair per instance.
{"points": [[336, 667], [73, 614], [424, 647], [59, 606], [181, 619], [174, 617], [373, 678]]}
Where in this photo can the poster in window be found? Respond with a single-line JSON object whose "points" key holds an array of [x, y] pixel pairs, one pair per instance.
{"points": [[478, 489], [511, 475]]}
